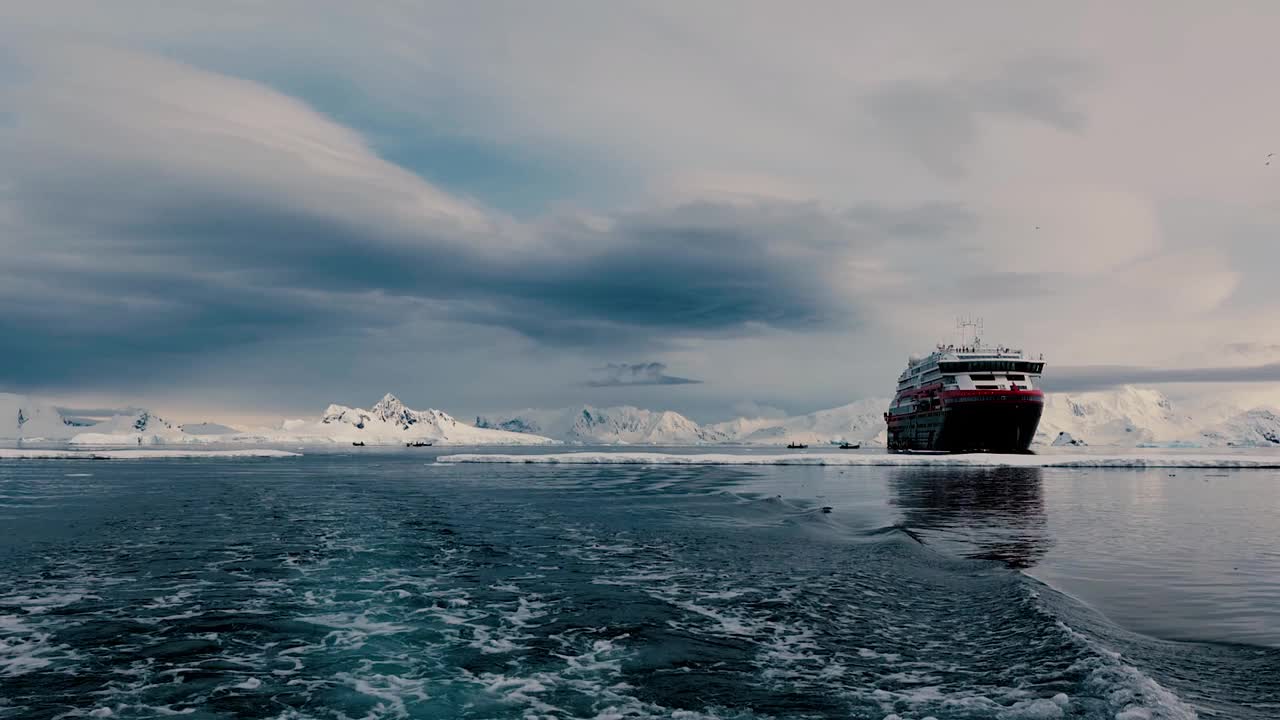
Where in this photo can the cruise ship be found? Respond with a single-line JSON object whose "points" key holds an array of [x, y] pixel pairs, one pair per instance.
{"points": [[967, 398]]}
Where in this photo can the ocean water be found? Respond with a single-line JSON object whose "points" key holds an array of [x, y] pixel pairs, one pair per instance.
{"points": [[382, 585]]}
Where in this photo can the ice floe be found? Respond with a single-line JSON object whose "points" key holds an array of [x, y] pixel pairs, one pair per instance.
{"points": [[1116, 460]]}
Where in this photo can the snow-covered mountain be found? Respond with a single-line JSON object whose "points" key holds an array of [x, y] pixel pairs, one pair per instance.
{"points": [[857, 422], [1258, 427], [1125, 416], [25, 418], [143, 428], [389, 422], [1132, 416], [28, 419], [625, 425], [622, 425]]}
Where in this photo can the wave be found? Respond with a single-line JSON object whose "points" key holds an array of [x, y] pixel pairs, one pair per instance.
{"points": [[328, 593]]}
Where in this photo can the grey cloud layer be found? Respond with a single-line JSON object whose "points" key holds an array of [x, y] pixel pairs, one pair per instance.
{"points": [[817, 191], [159, 211], [633, 374], [939, 121], [1085, 379]]}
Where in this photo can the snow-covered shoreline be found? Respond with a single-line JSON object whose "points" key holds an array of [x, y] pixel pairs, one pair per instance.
{"points": [[25, 454], [1124, 418], [1057, 460]]}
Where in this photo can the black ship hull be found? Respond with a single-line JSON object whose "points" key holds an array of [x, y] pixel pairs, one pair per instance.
{"points": [[979, 425]]}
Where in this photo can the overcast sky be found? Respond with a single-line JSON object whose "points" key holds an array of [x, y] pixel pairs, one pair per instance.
{"points": [[257, 208]]}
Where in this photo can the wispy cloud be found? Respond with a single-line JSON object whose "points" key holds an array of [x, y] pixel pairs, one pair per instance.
{"points": [[633, 374]]}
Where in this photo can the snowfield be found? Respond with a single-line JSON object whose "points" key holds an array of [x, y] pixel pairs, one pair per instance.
{"points": [[22, 454], [1125, 460]]}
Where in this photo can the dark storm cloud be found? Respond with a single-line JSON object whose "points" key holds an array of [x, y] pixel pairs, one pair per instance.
{"points": [[1104, 377], [632, 374], [176, 280]]}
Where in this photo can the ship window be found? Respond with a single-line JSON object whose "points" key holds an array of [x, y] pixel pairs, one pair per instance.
{"points": [[987, 387], [1017, 377], [993, 366], [976, 378]]}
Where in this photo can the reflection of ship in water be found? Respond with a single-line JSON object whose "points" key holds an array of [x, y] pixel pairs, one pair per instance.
{"points": [[989, 513]]}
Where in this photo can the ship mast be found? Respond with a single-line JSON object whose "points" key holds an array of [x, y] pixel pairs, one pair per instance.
{"points": [[969, 327]]}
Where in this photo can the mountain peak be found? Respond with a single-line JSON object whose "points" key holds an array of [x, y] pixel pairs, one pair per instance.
{"points": [[390, 408]]}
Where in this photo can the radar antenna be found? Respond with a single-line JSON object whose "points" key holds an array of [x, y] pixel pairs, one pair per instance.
{"points": [[969, 327]]}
